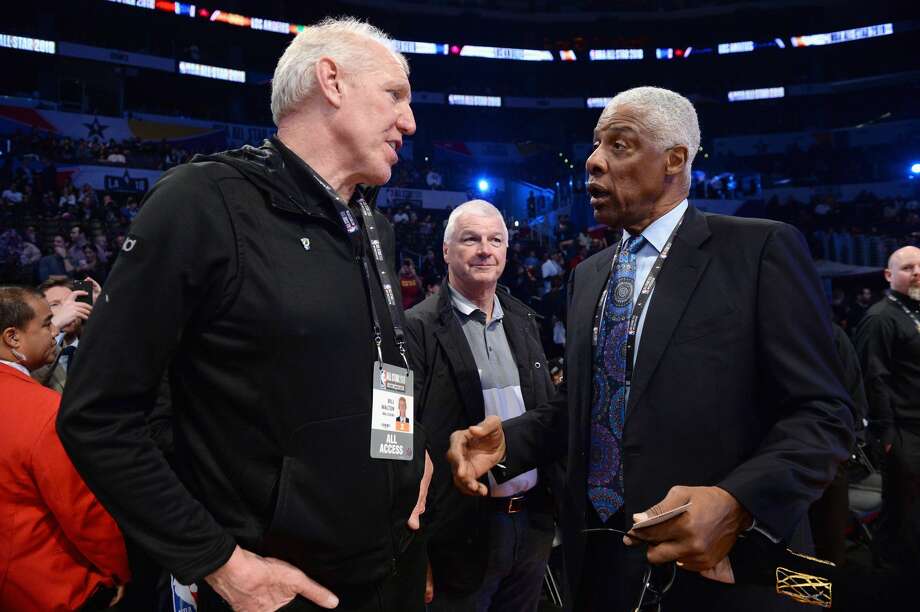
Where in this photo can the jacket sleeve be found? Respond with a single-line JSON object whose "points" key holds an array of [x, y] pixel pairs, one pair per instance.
{"points": [[85, 523], [539, 436], [812, 430], [852, 376], [174, 273], [875, 338]]}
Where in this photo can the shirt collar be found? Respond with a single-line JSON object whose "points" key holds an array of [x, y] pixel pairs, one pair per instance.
{"points": [[658, 232], [466, 307], [15, 366]]}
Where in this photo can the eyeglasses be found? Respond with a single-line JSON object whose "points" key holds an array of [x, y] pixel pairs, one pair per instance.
{"points": [[653, 590]]}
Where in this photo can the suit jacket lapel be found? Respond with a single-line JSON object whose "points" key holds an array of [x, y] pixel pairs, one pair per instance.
{"points": [[457, 350], [676, 282]]}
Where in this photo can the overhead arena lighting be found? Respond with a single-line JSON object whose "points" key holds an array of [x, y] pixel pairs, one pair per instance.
{"points": [[832, 38], [524, 55], [766, 93], [25, 43], [616, 54], [465, 100], [212, 72]]}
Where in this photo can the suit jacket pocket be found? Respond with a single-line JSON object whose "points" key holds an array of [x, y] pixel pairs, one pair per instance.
{"points": [[701, 327]]}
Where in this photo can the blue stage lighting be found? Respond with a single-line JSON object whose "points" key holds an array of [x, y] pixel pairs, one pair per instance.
{"points": [[915, 168], [483, 185]]}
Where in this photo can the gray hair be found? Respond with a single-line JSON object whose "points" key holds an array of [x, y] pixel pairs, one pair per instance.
{"points": [[343, 39], [671, 118], [479, 208]]}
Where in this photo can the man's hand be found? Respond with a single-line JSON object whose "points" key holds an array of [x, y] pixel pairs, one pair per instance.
{"points": [[700, 538], [419, 509], [250, 583], [475, 451], [70, 310]]}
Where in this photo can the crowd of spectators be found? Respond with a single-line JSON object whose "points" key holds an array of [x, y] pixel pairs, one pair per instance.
{"points": [[48, 149], [823, 163], [863, 231], [50, 227]]}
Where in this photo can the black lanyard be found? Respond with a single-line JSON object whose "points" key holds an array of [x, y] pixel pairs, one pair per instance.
{"points": [[644, 295], [353, 229], [907, 311]]}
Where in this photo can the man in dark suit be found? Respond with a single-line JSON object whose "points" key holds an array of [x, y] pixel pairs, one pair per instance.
{"points": [[475, 351], [700, 368]]}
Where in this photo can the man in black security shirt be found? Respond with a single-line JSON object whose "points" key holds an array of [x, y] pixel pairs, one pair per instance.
{"points": [[888, 343], [246, 279]]}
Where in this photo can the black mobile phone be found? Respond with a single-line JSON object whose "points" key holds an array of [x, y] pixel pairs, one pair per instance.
{"points": [[82, 285]]}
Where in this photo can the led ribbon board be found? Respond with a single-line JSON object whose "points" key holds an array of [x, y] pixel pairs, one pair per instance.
{"points": [[212, 72], [524, 55], [766, 93], [832, 38], [465, 100], [25, 43], [616, 54]]}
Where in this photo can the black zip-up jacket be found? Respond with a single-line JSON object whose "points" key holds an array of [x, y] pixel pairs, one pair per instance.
{"points": [[239, 278]]}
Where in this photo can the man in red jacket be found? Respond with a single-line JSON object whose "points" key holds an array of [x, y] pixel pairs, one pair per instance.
{"points": [[59, 548]]}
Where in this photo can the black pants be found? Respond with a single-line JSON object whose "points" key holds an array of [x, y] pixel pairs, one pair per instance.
{"points": [[899, 533], [404, 591]]}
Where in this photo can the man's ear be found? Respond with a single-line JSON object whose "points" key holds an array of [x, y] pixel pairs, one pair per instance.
{"points": [[676, 161], [10, 337], [887, 275], [329, 80]]}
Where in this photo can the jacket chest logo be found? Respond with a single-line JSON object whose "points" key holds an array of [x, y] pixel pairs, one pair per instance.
{"points": [[306, 243]]}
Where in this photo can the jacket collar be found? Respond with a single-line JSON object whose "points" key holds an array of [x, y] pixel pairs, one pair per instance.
{"points": [[458, 353], [8, 370]]}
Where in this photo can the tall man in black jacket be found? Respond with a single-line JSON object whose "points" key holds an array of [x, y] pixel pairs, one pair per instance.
{"points": [[475, 352], [724, 391], [244, 275], [888, 343]]}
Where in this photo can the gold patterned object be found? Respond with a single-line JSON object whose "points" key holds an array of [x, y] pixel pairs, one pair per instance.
{"points": [[803, 588]]}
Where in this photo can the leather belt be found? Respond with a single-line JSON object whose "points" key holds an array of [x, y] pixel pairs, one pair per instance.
{"points": [[507, 505]]}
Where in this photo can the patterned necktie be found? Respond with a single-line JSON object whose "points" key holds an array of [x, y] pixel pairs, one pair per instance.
{"points": [[605, 478]]}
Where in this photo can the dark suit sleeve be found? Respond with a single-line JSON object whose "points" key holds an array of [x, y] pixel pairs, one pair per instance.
{"points": [[852, 375], [539, 436], [812, 429]]}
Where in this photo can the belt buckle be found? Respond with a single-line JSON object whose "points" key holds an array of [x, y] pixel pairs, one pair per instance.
{"points": [[512, 507]]}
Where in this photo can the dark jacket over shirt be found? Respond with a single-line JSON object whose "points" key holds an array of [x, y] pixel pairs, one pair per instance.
{"points": [[888, 344], [239, 277], [736, 385], [449, 397]]}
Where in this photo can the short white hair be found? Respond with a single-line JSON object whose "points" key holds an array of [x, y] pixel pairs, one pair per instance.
{"points": [[343, 39], [670, 117], [479, 208]]}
